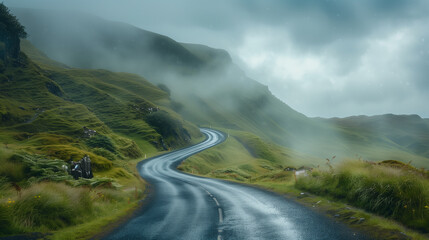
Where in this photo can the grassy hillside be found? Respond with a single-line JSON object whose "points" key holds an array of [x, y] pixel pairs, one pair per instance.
{"points": [[208, 89], [125, 102], [246, 157], [44, 107]]}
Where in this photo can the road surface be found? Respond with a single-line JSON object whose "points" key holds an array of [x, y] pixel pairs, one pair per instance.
{"points": [[187, 207]]}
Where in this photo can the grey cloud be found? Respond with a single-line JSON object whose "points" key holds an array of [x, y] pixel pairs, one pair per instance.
{"points": [[352, 40]]}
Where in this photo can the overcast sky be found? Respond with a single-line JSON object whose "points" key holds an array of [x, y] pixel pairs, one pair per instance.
{"points": [[322, 57]]}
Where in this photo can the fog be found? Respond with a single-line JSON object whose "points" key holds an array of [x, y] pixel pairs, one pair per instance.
{"points": [[345, 68], [323, 58]]}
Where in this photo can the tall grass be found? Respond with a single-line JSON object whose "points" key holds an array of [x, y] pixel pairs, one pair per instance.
{"points": [[49, 206], [44, 207], [397, 192]]}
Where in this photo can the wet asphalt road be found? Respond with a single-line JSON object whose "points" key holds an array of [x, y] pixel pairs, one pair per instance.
{"points": [[189, 207]]}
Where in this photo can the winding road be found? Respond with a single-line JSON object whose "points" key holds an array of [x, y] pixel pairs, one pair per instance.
{"points": [[188, 207]]}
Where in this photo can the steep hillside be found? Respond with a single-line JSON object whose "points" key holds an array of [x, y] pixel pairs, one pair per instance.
{"points": [[207, 88], [45, 111], [85, 41], [52, 115]]}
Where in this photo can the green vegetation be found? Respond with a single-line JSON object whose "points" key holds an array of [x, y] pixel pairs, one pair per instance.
{"points": [[390, 189], [247, 158], [40, 119], [208, 90], [45, 105], [37, 194], [47, 206], [101, 141], [46, 112]]}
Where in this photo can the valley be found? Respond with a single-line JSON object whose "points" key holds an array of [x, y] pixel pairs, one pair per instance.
{"points": [[141, 95]]}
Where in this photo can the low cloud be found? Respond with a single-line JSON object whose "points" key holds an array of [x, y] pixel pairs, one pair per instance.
{"points": [[323, 57]]}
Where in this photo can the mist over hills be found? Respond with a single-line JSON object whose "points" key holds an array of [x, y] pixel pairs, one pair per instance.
{"points": [[407, 131], [208, 89], [85, 41], [45, 106]]}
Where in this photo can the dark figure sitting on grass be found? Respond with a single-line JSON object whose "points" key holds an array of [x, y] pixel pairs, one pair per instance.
{"points": [[82, 168]]}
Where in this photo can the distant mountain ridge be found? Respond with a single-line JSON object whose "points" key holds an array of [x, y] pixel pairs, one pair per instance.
{"points": [[91, 42], [208, 89]]}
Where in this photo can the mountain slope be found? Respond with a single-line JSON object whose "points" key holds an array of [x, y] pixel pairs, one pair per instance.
{"points": [[44, 111], [208, 89], [84, 41], [211, 89], [124, 102], [51, 115]]}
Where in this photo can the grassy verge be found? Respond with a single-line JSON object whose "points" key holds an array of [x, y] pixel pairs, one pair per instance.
{"points": [[390, 189]]}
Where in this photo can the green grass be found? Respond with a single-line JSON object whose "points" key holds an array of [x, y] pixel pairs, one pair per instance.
{"points": [[379, 192], [121, 101], [105, 217], [400, 193], [44, 106], [47, 207], [51, 201], [246, 157], [43, 109]]}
